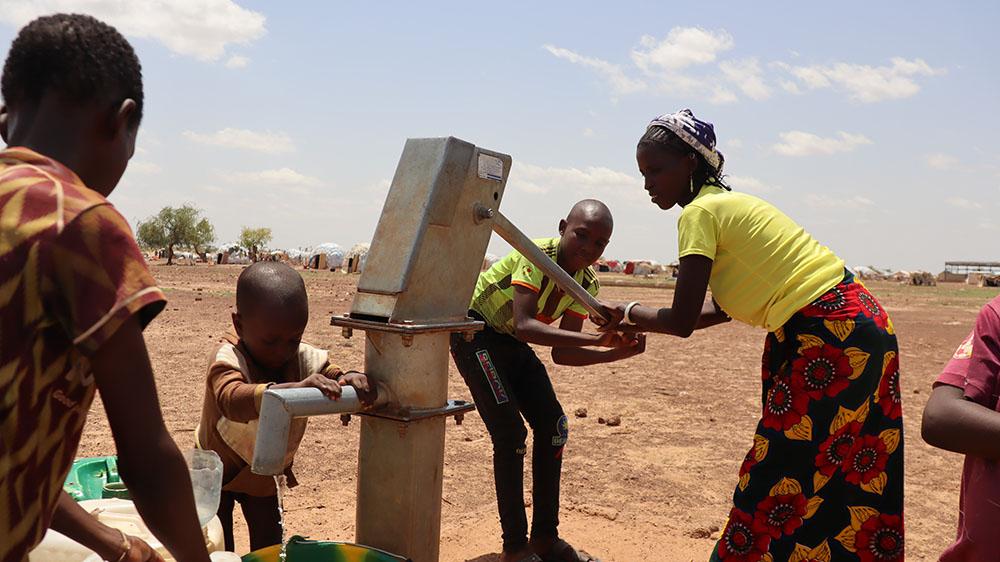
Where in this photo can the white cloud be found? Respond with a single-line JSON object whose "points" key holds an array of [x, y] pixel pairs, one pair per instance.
{"points": [[589, 133], [278, 177], [202, 29], [620, 83], [800, 143], [790, 87], [827, 202], [866, 83], [721, 96], [963, 203], [750, 185], [587, 181], [260, 141], [237, 61], [682, 47], [144, 167], [941, 161], [748, 76], [733, 144]]}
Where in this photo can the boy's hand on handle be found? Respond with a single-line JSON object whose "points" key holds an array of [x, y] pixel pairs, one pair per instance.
{"points": [[367, 393], [615, 314], [327, 384]]}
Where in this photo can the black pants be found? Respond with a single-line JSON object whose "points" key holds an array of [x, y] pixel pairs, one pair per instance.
{"points": [[261, 514], [507, 382]]}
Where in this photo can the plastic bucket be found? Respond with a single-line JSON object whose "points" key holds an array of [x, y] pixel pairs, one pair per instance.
{"points": [[206, 481]]}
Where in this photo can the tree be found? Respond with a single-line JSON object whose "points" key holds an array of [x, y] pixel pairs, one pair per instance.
{"points": [[254, 240], [181, 227], [204, 235]]}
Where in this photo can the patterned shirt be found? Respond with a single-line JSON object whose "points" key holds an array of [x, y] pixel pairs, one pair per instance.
{"points": [[494, 295], [70, 275]]}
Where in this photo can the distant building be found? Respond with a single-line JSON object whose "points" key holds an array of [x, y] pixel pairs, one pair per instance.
{"points": [[966, 267]]}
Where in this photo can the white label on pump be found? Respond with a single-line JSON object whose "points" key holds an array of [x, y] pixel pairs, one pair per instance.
{"points": [[490, 167]]}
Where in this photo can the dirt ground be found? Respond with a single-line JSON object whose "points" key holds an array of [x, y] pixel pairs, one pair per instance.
{"points": [[654, 488]]}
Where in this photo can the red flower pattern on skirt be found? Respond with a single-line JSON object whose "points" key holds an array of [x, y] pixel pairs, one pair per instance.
{"points": [[834, 451], [866, 460], [872, 309], [781, 514], [831, 301], [786, 403], [822, 371], [744, 540], [890, 398], [880, 539]]}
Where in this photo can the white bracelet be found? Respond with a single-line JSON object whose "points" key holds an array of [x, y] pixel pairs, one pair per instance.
{"points": [[627, 320]]}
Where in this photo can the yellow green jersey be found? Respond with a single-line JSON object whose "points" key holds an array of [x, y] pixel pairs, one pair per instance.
{"points": [[494, 295]]}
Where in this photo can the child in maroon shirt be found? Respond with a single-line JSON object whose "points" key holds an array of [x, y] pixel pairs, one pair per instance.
{"points": [[963, 416]]}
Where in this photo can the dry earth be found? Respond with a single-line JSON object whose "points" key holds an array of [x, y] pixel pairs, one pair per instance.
{"points": [[654, 488]]}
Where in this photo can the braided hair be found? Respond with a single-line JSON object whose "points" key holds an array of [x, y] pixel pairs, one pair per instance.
{"points": [[704, 173]]}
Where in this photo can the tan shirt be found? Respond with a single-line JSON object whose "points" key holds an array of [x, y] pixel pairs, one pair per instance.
{"points": [[234, 389]]}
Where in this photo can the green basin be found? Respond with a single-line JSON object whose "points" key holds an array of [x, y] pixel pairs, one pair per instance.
{"points": [[304, 550], [95, 478]]}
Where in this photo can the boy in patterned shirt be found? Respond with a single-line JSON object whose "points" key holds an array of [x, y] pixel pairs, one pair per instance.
{"points": [[509, 384], [75, 295]]}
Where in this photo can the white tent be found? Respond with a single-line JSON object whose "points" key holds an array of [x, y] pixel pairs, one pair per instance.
{"points": [[334, 254], [356, 258], [234, 253]]}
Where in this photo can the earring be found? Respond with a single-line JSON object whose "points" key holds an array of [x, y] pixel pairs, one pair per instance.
{"points": [[692, 183]]}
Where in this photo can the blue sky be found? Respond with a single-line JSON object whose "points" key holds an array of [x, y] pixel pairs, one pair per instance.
{"points": [[872, 124]]}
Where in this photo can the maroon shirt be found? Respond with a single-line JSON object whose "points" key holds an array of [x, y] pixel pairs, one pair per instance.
{"points": [[975, 368]]}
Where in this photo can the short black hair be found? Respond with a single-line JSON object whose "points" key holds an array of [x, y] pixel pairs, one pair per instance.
{"points": [[76, 55], [591, 209], [665, 139], [267, 285]]}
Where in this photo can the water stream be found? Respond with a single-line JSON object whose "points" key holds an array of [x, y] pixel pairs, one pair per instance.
{"points": [[281, 483]]}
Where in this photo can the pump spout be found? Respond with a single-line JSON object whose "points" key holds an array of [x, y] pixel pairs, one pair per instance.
{"points": [[279, 406]]}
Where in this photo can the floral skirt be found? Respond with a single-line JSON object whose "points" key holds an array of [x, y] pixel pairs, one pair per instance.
{"points": [[824, 478]]}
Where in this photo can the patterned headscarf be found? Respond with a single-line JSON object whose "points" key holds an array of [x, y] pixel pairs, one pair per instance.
{"points": [[698, 134]]}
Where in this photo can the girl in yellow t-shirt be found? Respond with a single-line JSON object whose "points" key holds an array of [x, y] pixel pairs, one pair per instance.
{"points": [[824, 477]]}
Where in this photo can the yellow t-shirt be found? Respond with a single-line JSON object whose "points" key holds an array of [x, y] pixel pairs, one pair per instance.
{"points": [[766, 267]]}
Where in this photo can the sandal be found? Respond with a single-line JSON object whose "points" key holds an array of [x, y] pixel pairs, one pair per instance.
{"points": [[529, 557], [562, 551]]}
